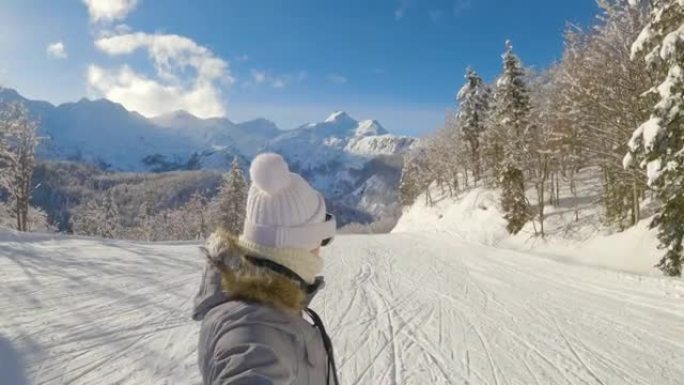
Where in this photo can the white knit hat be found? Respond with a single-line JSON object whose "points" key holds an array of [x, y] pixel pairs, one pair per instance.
{"points": [[285, 217]]}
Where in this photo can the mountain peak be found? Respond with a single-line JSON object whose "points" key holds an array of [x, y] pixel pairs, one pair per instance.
{"points": [[101, 102], [10, 94], [261, 126], [369, 128], [178, 118], [339, 117], [259, 121], [181, 114]]}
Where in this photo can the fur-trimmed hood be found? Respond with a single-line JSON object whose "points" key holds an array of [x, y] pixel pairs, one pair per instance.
{"points": [[229, 275]]}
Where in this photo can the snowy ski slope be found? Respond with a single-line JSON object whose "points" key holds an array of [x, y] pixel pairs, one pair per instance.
{"points": [[401, 308]]}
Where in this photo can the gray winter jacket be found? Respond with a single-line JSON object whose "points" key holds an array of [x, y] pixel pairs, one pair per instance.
{"points": [[252, 328]]}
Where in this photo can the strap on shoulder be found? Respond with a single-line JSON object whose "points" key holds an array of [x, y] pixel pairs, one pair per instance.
{"points": [[327, 343]]}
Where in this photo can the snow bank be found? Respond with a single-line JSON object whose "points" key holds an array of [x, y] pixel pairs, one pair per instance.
{"points": [[633, 250], [475, 217]]}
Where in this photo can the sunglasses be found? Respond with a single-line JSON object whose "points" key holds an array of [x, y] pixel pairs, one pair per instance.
{"points": [[327, 241]]}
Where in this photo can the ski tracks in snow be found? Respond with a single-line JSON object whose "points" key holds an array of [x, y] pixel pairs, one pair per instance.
{"points": [[101, 311], [401, 309], [460, 313]]}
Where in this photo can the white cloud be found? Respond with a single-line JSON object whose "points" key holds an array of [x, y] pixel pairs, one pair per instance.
{"points": [[188, 76], [337, 78], [258, 76], [109, 10], [121, 29], [244, 57], [169, 53], [57, 50], [279, 81], [152, 98]]}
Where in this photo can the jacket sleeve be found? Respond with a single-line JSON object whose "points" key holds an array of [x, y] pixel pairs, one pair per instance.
{"points": [[253, 355], [210, 292]]}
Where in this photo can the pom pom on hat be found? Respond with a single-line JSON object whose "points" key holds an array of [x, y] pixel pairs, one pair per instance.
{"points": [[269, 172]]}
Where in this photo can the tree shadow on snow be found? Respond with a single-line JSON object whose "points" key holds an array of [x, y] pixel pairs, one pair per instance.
{"points": [[12, 369], [141, 281]]}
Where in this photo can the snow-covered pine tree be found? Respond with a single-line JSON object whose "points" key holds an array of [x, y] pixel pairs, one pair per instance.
{"points": [[413, 177], [514, 203], [492, 149], [408, 186], [165, 225], [18, 142], [660, 140], [196, 215], [511, 114], [85, 218], [473, 99], [109, 225], [230, 202], [512, 109], [145, 226], [97, 217]]}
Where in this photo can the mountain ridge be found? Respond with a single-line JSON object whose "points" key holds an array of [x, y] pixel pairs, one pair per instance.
{"points": [[357, 164]]}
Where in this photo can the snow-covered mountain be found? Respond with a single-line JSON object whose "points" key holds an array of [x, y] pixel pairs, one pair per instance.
{"points": [[105, 131], [338, 135], [99, 132], [246, 138], [356, 163]]}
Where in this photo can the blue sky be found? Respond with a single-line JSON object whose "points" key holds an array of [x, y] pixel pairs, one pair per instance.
{"points": [[294, 61]]}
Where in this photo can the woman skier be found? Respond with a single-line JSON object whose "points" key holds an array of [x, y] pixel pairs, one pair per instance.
{"points": [[256, 287]]}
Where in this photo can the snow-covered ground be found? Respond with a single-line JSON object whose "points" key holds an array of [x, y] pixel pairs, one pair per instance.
{"points": [[574, 229], [402, 308]]}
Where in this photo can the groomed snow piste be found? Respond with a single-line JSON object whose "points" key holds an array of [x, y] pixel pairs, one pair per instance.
{"points": [[403, 308]]}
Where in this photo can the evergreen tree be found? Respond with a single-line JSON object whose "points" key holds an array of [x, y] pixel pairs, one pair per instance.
{"points": [[229, 204], [493, 141], [473, 99], [98, 218], [195, 211], [409, 185], [109, 212], [660, 140], [513, 201], [145, 227], [511, 114], [512, 110], [85, 217]]}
